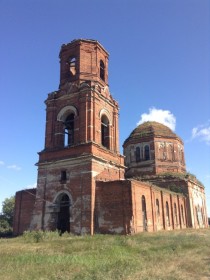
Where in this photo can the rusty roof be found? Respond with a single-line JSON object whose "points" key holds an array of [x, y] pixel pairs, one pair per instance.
{"points": [[148, 129]]}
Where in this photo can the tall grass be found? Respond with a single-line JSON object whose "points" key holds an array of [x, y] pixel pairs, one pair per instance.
{"points": [[158, 256]]}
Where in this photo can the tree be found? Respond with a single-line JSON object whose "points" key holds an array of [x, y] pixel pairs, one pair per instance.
{"points": [[6, 217], [8, 209], [4, 225]]}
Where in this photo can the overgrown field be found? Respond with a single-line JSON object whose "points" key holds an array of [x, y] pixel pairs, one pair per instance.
{"points": [[159, 256]]}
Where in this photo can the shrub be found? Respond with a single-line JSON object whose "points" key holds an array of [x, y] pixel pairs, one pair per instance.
{"points": [[39, 235], [5, 228], [33, 236]]}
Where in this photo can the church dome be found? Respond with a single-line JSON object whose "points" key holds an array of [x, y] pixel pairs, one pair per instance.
{"points": [[153, 148], [149, 129]]}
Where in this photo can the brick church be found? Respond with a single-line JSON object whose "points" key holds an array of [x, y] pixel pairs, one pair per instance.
{"points": [[84, 184]]}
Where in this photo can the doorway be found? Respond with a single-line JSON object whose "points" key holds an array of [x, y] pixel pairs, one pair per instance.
{"points": [[63, 224]]}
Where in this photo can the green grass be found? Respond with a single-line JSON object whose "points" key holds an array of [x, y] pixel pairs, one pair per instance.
{"points": [[159, 256]]}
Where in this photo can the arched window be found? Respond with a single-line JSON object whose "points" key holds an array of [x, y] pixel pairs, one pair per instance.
{"points": [[72, 66], [138, 157], [161, 152], [69, 130], [167, 214], [175, 214], [102, 70], [63, 176], [170, 152], [144, 212], [146, 153], [66, 126], [157, 207], [182, 213], [105, 131]]}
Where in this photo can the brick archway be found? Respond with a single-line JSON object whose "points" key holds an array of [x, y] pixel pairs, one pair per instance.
{"points": [[63, 202]]}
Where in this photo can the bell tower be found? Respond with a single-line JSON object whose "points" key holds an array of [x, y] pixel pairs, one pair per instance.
{"points": [[81, 141], [83, 60]]}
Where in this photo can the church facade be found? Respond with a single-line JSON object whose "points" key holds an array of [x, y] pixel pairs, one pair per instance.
{"points": [[84, 184]]}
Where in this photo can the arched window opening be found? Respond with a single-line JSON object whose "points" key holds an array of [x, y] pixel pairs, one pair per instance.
{"points": [[105, 131], [69, 130], [138, 157], [167, 214], [182, 214], [161, 152], [102, 70], [144, 212], [175, 214], [63, 224], [63, 176], [72, 66], [157, 207], [170, 153], [146, 153]]}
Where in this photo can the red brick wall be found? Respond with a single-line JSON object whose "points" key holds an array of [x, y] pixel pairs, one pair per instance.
{"points": [[24, 203], [154, 221], [88, 54], [90, 104], [113, 210], [158, 211], [170, 162], [140, 189], [119, 208]]}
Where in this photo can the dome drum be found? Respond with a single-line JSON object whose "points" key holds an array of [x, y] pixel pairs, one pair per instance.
{"points": [[153, 148]]}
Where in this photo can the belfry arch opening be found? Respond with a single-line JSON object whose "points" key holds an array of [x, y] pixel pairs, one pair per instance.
{"points": [[105, 131], [72, 66], [102, 70], [69, 130], [63, 215]]}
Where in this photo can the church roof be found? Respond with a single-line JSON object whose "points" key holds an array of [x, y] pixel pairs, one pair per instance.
{"points": [[148, 129]]}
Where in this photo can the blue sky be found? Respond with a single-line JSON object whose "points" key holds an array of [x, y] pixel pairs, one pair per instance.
{"points": [[159, 66]]}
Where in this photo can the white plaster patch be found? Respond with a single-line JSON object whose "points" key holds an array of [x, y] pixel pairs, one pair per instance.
{"points": [[197, 197]]}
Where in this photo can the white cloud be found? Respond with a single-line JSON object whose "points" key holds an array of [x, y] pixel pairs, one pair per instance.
{"points": [[1, 163], [162, 116], [202, 132], [14, 167]]}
